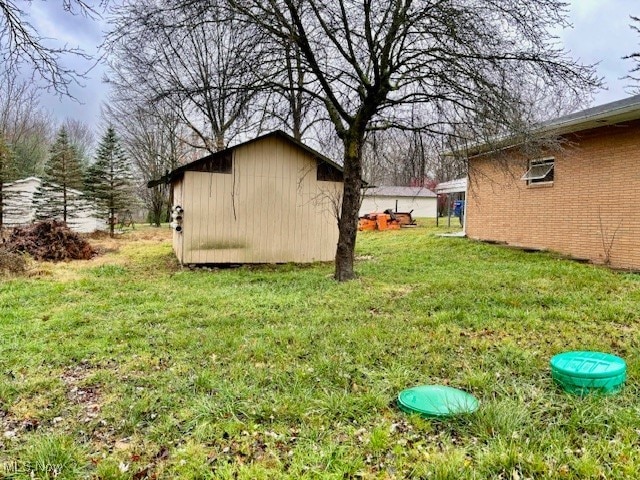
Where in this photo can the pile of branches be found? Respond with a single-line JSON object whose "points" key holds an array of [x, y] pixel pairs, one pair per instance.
{"points": [[49, 240]]}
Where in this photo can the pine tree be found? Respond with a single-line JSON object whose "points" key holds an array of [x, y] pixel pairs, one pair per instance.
{"points": [[7, 173], [109, 179], [59, 194]]}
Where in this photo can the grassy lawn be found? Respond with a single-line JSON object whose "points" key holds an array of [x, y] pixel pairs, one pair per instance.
{"points": [[128, 367]]}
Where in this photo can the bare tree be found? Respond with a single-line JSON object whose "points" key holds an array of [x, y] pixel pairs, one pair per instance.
{"points": [[152, 139], [21, 45], [81, 137], [368, 64], [25, 126], [372, 61], [198, 68], [283, 93], [393, 157], [634, 74], [7, 172]]}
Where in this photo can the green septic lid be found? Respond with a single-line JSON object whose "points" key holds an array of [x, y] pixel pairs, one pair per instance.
{"points": [[436, 401], [588, 364]]}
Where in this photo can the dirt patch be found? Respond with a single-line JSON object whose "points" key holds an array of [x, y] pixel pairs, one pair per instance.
{"points": [[152, 234], [11, 426], [87, 396]]}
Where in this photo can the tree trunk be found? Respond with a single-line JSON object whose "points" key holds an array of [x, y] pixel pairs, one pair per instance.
{"points": [[64, 204], [112, 222], [219, 141], [348, 222], [1, 208]]}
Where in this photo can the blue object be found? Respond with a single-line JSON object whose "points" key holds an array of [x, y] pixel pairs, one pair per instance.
{"points": [[458, 208]]}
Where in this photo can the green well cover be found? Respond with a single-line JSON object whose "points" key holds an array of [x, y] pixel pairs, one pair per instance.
{"points": [[588, 364], [436, 401]]}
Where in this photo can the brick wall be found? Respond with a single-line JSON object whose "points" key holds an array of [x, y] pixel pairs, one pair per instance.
{"points": [[590, 211]]}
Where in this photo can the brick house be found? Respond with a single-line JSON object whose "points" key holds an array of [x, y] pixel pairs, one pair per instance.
{"points": [[581, 200]]}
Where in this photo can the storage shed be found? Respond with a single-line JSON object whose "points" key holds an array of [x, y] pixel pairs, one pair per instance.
{"points": [[269, 200], [421, 201]]}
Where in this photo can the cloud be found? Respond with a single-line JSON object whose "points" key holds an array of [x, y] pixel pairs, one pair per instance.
{"points": [[601, 35], [59, 29]]}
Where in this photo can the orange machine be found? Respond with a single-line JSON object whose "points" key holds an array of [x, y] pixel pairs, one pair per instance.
{"points": [[378, 221]]}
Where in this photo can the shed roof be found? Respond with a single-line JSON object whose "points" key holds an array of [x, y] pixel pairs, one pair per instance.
{"points": [[392, 191], [275, 134], [610, 113], [459, 185]]}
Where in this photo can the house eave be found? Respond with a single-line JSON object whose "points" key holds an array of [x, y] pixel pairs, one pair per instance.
{"points": [[600, 116]]}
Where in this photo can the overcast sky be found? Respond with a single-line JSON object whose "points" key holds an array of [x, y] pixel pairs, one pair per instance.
{"points": [[600, 34]]}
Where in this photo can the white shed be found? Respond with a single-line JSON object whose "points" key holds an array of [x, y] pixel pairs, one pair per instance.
{"points": [[20, 209], [421, 201], [269, 200]]}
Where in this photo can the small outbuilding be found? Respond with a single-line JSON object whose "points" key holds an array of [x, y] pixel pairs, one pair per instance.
{"points": [[268, 200], [580, 200], [421, 201]]}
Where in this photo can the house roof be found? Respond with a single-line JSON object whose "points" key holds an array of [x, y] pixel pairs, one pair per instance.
{"points": [[276, 133], [458, 185], [392, 191], [606, 114], [601, 115]]}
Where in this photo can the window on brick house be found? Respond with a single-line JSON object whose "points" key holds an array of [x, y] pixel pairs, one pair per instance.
{"points": [[540, 171]]}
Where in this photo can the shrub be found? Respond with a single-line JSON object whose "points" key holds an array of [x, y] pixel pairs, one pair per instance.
{"points": [[11, 263]]}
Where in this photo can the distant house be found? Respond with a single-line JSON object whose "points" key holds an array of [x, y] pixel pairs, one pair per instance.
{"points": [[421, 201], [581, 200], [19, 208], [269, 200]]}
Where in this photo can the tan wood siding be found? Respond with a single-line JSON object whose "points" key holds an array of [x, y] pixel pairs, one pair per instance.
{"points": [[270, 209]]}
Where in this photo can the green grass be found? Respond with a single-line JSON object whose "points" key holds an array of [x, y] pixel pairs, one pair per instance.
{"points": [[128, 366]]}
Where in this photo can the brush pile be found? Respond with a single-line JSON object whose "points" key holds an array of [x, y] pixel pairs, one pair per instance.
{"points": [[49, 240]]}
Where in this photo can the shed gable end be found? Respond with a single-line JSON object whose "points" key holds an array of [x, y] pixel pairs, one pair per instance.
{"points": [[327, 173]]}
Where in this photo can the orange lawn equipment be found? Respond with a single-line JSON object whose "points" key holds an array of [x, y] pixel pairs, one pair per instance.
{"points": [[378, 221]]}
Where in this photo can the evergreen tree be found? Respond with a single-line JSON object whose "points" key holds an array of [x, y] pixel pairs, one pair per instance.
{"points": [[7, 173], [58, 196], [109, 179]]}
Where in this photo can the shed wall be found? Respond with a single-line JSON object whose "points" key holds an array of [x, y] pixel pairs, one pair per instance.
{"points": [[423, 207], [590, 210], [270, 209], [178, 238]]}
